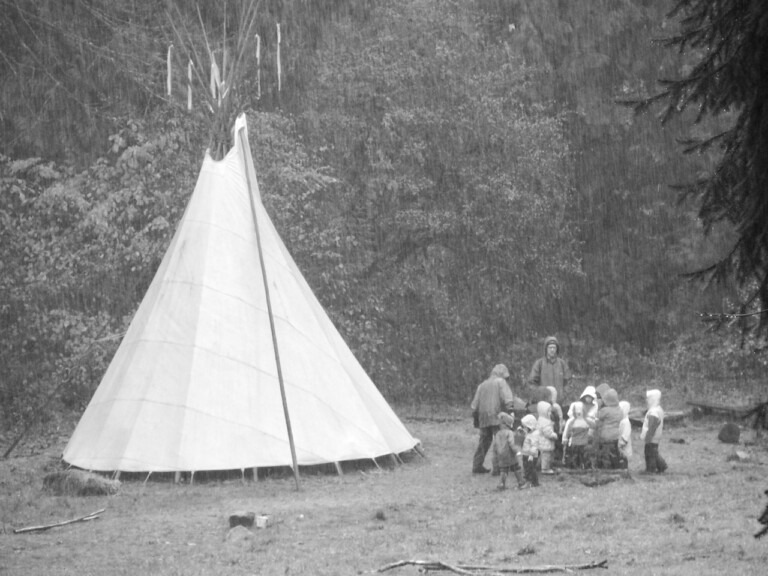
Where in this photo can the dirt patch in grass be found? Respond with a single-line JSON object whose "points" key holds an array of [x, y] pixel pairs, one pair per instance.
{"points": [[698, 518]]}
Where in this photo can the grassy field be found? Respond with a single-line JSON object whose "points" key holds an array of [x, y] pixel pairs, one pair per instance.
{"points": [[699, 518]]}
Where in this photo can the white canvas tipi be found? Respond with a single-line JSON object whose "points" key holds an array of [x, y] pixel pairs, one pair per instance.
{"points": [[194, 384]]}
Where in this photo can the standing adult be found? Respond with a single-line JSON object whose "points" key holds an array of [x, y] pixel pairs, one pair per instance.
{"points": [[550, 370], [491, 397]]}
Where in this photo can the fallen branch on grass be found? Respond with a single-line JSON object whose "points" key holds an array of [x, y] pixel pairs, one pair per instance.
{"points": [[91, 516], [598, 476], [593, 471], [470, 570], [425, 565], [597, 480]]}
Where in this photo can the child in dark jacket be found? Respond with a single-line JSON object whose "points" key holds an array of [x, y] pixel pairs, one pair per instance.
{"points": [[609, 418], [505, 451]]}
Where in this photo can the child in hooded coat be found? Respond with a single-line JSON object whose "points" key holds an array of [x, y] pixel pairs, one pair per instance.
{"points": [[589, 411], [653, 426], [600, 391], [530, 450], [556, 415], [505, 451], [547, 438], [607, 432], [589, 404], [625, 435], [576, 438]]}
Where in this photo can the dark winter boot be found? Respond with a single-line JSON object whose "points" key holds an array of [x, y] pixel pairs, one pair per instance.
{"points": [[521, 483], [651, 453]]}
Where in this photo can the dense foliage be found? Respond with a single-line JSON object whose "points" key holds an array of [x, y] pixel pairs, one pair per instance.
{"points": [[457, 195], [454, 179]]}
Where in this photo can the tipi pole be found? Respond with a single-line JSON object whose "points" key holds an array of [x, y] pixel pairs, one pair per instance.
{"points": [[271, 317]]}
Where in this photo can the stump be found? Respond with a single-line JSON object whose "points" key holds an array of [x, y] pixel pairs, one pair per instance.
{"points": [[245, 519], [79, 483], [729, 433]]}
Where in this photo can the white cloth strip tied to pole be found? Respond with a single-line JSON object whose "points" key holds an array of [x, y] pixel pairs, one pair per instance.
{"points": [[215, 80], [258, 67], [224, 63], [223, 88], [169, 74], [279, 72], [189, 85]]}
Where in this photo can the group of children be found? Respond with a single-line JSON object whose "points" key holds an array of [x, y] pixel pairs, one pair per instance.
{"points": [[596, 434]]}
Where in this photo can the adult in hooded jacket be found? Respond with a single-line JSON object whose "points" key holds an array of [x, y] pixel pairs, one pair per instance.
{"points": [[491, 397], [549, 370]]}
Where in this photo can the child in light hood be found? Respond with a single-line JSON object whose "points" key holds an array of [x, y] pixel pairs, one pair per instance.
{"points": [[558, 423], [589, 404], [625, 434], [530, 450], [576, 438], [557, 410], [547, 436], [653, 426]]}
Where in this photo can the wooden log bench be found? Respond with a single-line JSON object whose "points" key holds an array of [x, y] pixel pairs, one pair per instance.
{"points": [[637, 415], [709, 407], [759, 411]]}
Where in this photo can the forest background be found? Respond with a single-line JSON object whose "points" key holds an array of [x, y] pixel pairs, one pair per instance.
{"points": [[456, 180]]}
